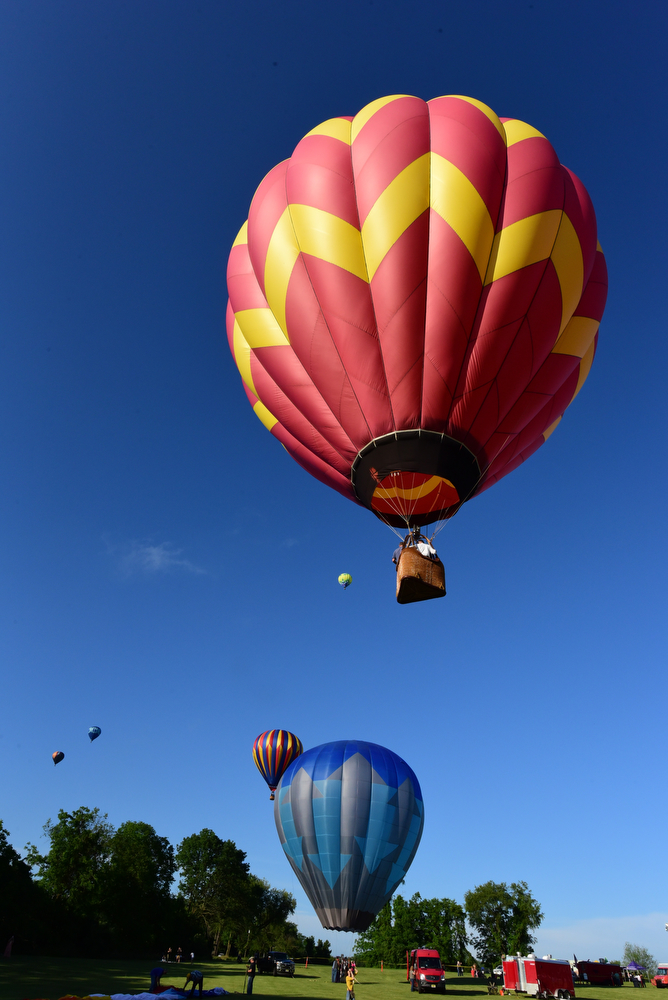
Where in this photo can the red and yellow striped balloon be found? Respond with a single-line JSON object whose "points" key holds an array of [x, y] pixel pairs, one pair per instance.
{"points": [[273, 752], [414, 301]]}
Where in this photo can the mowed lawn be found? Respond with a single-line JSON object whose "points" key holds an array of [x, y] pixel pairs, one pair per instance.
{"points": [[52, 978]]}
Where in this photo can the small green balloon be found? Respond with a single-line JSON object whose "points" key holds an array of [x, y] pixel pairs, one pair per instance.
{"points": [[345, 580]]}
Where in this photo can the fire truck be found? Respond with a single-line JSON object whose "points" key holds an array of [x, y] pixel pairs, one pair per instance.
{"points": [[660, 980], [424, 971], [539, 977]]}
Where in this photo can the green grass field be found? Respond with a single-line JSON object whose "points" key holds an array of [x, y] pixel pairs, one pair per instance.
{"points": [[51, 978]]}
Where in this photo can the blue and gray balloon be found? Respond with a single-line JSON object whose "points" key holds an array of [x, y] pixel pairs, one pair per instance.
{"points": [[349, 816], [93, 733]]}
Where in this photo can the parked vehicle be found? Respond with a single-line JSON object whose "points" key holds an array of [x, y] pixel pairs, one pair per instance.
{"points": [[425, 972], [276, 963], [660, 980], [539, 977], [600, 973]]}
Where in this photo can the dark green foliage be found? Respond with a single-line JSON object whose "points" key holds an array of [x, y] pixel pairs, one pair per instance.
{"points": [[217, 885], [73, 870], [502, 917], [25, 910], [406, 924], [308, 948], [137, 904], [104, 892]]}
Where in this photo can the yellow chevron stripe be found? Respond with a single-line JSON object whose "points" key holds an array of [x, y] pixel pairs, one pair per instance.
{"points": [[567, 259], [417, 492], [516, 131], [242, 235], [577, 337], [260, 329], [336, 128], [546, 433], [522, 243], [242, 356], [404, 199], [585, 366], [485, 110], [263, 414], [282, 254], [599, 247], [367, 112], [329, 238], [457, 201]]}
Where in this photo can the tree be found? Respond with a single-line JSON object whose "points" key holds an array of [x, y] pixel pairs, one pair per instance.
{"points": [[267, 918], [378, 942], [137, 888], [73, 869], [406, 924], [23, 906], [636, 953], [215, 882], [72, 873], [502, 917]]}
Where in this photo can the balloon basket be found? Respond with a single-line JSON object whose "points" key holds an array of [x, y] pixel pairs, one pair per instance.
{"points": [[419, 578]]}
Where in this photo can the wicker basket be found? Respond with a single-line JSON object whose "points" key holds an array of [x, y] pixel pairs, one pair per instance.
{"points": [[419, 578]]}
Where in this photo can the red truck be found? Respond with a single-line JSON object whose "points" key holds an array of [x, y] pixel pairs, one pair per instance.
{"points": [[540, 977], [660, 980], [425, 972]]}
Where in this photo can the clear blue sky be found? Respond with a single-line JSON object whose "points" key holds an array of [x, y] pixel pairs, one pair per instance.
{"points": [[155, 582]]}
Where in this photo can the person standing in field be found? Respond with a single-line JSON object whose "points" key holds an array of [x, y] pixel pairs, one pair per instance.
{"points": [[460, 971], [250, 972], [350, 985], [334, 971]]}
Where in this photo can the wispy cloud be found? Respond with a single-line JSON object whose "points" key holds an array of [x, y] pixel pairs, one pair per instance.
{"points": [[149, 559], [604, 936]]}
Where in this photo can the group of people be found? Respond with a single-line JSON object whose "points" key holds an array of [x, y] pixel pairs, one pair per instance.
{"points": [[169, 955], [415, 539], [344, 970]]}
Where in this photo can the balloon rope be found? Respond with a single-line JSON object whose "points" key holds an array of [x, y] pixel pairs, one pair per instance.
{"points": [[468, 496]]}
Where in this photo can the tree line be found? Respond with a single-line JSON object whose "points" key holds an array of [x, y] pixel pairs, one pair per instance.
{"points": [[501, 919], [104, 892]]}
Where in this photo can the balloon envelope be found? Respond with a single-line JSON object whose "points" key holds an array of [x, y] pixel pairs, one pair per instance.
{"points": [[57, 756], [93, 733], [415, 301], [349, 816], [345, 579], [273, 751]]}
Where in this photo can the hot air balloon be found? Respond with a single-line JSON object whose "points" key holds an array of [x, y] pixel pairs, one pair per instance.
{"points": [[414, 302], [349, 816], [345, 579], [57, 756], [93, 733], [273, 751]]}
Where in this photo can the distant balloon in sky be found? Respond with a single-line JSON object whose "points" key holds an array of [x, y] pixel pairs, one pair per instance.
{"points": [[273, 751], [57, 756], [345, 579], [415, 300], [349, 816], [93, 733]]}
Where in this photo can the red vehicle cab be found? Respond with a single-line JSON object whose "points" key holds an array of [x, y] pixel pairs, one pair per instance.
{"points": [[425, 972], [540, 977], [660, 980]]}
